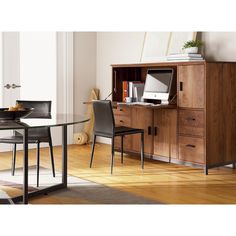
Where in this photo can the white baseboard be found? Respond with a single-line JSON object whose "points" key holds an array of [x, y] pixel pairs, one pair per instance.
{"points": [[104, 140]]}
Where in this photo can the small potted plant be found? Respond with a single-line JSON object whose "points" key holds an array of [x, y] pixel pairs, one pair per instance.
{"points": [[192, 46]]}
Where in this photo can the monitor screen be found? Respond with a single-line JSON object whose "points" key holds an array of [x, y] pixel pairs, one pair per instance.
{"points": [[158, 84], [158, 81]]}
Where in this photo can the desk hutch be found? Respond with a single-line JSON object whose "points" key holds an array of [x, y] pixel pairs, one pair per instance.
{"points": [[199, 130]]}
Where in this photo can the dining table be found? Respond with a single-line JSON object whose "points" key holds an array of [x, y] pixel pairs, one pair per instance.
{"points": [[62, 120]]}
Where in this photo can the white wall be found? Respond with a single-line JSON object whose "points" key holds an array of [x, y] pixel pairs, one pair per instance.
{"points": [[219, 46], [112, 48], [84, 70]]}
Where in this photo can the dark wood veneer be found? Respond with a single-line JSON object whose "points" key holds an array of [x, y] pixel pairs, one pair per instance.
{"points": [[201, 128]]}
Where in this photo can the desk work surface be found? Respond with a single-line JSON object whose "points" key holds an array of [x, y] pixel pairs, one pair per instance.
{"points": [[145, 105], [139, 105]]}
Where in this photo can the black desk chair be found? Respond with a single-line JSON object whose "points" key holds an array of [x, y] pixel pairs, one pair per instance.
{"points": [[42, 109], [104, 126]]}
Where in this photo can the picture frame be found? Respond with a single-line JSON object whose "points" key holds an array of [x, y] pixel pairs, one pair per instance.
{"points": [[157, 45], [177, 41]]}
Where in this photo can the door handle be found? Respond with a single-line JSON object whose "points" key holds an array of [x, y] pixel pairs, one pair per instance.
{"points": [[115, 81], [7, 86], [155, 131], [149, 130], [181, 86], [15, 86]]}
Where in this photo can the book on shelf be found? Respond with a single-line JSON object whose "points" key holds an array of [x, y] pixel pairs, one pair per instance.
{"points": [[185, 57], [132, 89], [125, 90], [192, 55]]}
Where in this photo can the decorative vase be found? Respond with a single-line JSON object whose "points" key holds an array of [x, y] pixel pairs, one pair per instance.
{"points": [[191, 50]]}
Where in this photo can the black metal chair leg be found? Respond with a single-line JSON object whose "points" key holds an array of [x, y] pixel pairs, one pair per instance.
{"points": [[112, 154], [122, 148], [93, 146], [52, 157], [142, 150], [13, 160], [38, 162]]}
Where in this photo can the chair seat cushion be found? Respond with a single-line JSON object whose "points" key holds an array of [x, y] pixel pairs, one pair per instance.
{"points": [[19, 139], [123, 130]]}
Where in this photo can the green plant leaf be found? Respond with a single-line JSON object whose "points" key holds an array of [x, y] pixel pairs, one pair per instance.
{"points": [[193, 43]]}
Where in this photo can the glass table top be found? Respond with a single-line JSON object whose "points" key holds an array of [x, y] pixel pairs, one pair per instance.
{"points": [[57, 120]]}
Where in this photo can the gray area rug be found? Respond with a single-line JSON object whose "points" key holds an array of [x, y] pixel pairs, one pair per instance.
{"points": [[79, 191]]}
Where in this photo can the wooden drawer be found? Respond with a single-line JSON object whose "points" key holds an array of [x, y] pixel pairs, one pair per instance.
{"points": [[122, 121], [122, 110], [191, 122], [191, 149]]}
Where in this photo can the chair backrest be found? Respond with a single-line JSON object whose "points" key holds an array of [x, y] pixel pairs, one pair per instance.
{"points": [[42, 109], [104, 118]]}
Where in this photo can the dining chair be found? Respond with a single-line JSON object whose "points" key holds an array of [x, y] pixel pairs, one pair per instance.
{"points": [[42, 109], [104, 126]]}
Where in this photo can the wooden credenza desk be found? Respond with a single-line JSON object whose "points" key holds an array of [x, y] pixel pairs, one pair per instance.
{"points": [[200, 130]]}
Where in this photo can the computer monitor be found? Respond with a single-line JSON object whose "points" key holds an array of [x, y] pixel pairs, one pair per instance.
{"points": [[158, 84]]}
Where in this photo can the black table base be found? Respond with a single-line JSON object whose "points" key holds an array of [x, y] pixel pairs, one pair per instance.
{"points": [[26, 195]]}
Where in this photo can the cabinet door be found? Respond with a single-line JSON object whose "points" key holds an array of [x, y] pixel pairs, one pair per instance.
{"points": [[191, 86], [165, 133], [142, 118]]}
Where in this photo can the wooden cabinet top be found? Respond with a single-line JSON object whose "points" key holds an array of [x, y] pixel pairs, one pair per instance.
{"points": [[167, 63]]}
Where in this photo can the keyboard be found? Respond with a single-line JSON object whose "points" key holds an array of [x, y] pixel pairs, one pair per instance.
{"points": [[138, 103], [142, 103]]}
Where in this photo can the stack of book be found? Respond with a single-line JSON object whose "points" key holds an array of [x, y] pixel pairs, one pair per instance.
{"points": [[185, 57]]}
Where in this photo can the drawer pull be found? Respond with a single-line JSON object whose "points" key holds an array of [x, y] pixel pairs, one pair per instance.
{"points": [[121, 109], [190, 145], [149, 130], [190, 119], [155, 131], [121, 121]]}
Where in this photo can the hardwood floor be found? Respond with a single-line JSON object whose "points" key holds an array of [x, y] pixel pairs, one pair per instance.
{"points": [[163, 182]]}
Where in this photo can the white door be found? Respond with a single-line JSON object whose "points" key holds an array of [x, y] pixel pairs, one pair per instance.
{"points": [[28, 69]]}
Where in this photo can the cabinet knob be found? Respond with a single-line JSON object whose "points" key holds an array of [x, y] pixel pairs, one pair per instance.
{"points": [[190, 119]]}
